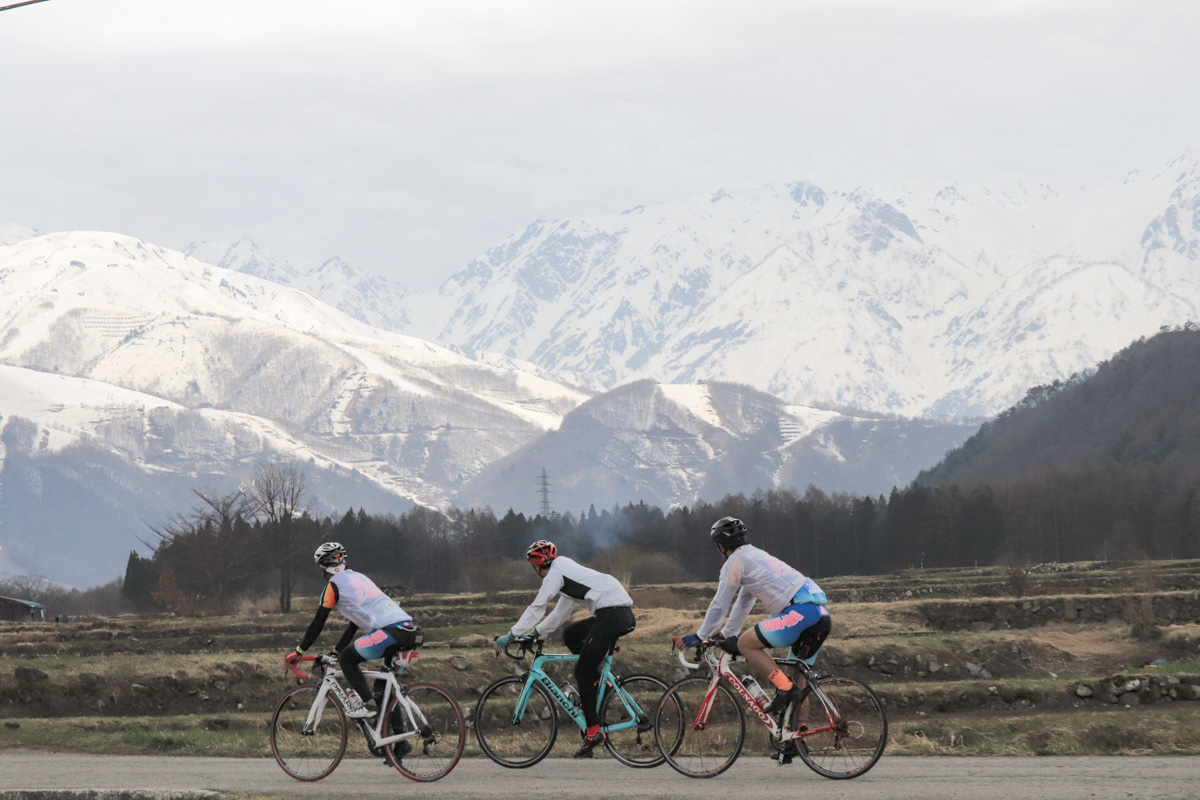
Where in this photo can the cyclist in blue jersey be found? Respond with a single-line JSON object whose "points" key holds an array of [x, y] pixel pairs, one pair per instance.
{"points": [[387, 628]]}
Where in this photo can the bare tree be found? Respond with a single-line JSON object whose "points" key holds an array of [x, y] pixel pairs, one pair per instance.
{"points": [[207, 541], [36, 588], [281, 495]]}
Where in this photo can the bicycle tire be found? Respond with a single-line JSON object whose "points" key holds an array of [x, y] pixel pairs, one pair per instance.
{"points": [[857, 735], [633, 747], [526, 741], [433, 753], [308, 757], [704, 752]]}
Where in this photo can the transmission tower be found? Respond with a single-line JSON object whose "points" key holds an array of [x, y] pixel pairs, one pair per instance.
{"points": [[544, 491]]}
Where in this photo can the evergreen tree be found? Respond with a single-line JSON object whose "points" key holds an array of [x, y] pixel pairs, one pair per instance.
{"points": [[141, 579]]}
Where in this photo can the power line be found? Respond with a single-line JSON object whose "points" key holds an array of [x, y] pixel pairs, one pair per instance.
{"points": [[18, 5]]}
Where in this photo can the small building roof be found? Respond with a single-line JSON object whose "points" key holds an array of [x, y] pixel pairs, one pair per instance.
{"points": [[29, 603]]}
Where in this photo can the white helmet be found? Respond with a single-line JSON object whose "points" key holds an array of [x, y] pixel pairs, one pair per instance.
{"points": [[330, 557]]}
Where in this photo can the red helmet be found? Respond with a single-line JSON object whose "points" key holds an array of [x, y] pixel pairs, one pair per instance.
{"points": [[541, 552]]}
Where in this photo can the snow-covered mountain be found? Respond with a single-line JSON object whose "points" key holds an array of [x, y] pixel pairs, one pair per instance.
{"points": [[117, 310], [674, 444], [918, 300], [705, 333], [370, 298], [131, 375], [137, 362]]}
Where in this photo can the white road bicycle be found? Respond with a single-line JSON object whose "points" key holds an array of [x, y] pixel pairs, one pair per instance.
{"points": [[419, 730], [700, 725]]}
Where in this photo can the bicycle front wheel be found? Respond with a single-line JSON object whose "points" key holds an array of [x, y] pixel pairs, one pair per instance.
{"points": [[439, 742], [308, 754], [633, 706], [695, 743], [510, 739], [855, 730]]}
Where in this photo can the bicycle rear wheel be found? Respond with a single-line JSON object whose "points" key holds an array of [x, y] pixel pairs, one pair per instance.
{"points": [[699, 748], [308, 755], [633, 746], [856, 732], [438, 745], [515, 742]]}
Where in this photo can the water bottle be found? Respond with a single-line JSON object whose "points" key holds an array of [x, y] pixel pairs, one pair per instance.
{"points": [[756, 691]]}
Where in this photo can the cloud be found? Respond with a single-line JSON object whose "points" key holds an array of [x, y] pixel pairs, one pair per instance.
{"points": [[410, 137]]}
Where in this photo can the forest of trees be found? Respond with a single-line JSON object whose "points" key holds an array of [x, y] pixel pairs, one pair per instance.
{"points": [[1100, 513]]}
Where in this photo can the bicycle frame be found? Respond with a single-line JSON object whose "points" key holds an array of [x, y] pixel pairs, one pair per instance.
{"points": [[718, 666], [393, 688], [537, 674]]}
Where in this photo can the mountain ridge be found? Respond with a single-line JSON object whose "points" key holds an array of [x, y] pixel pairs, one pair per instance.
{"points": [[920, 301]]}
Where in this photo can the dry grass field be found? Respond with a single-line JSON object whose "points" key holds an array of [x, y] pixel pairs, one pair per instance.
{"points": [[206, 685]]}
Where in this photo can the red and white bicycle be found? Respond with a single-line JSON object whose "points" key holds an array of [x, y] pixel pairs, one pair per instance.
{"points": [[700, 724]]}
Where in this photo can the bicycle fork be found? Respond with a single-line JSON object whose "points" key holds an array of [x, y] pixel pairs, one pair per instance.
{"points": [[318, 708]]}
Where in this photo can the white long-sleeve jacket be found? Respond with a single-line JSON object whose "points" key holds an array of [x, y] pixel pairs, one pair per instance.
{"points": [[754, 574], [574, 584]]}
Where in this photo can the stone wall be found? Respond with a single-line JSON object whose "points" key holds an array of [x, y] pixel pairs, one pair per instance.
{"points": [[985, 615], [1139, 689], [1117, 690]]}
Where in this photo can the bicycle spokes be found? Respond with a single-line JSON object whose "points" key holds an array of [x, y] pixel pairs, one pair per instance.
{"points": [[856, 734], [699, 727], [515, 722], [307, 745], [625, 717]]}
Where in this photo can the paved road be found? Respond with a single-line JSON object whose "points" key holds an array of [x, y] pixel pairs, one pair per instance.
{"points": [[1050, 778]]}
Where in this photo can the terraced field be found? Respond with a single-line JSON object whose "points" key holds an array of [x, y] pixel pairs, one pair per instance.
{"points": [[968, 661]]}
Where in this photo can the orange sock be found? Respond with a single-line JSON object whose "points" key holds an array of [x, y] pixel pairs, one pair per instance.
{"points": [[782, 682]]}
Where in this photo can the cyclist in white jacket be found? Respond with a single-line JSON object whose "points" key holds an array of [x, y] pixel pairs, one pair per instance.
{"points": [[799, 618], [592, 638], [386, 627]]}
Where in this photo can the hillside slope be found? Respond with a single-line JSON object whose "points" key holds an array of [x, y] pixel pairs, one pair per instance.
{"points": [[674, 444], [1139, 407]]}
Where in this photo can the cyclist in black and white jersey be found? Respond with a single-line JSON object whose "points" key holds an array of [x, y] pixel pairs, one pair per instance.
{"points": [[576, 585]]}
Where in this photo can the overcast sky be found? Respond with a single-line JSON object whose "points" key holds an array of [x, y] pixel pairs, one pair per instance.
{"points": [[409, 137]]}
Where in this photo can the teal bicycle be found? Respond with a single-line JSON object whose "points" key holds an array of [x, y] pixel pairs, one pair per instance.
{"points": [[516, 719]]}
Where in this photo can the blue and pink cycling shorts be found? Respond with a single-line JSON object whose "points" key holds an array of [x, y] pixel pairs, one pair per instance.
{"points": [[788, 626], [388, 639]]}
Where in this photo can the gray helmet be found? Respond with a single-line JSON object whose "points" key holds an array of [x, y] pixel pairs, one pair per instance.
{"points": [[729, 532], [330, 555]]}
